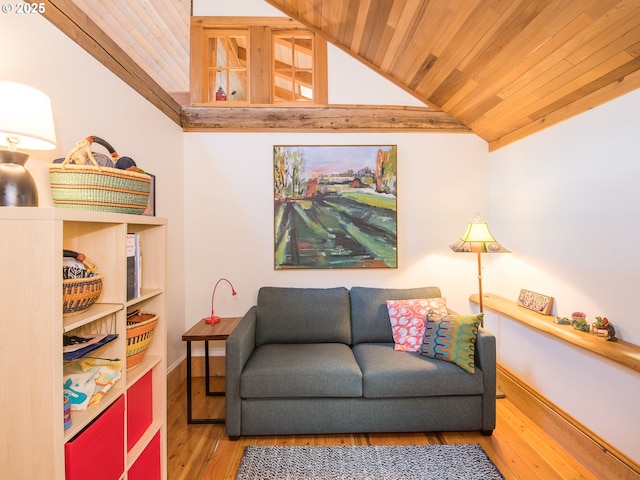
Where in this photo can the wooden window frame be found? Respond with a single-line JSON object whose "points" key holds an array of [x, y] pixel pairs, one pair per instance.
{"points": [[260, 32], [208, 34], [288, 70]]}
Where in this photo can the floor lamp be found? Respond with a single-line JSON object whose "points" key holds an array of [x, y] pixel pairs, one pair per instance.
{"points": [[478, 239]]}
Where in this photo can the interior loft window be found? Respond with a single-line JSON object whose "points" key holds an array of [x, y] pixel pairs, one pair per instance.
{"points": [[227, 66], [293, 67], [257, 61]]}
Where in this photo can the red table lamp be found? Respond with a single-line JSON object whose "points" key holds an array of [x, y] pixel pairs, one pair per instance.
{"points": [[215, 318]]}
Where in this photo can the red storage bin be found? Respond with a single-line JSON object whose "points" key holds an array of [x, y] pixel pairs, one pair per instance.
{"points": [[148, 464], [139, 409], [98, 452]]}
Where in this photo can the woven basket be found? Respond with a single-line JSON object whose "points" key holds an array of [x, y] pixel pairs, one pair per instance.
{"points": [[95, 187], [78, 294], [140, 328]]}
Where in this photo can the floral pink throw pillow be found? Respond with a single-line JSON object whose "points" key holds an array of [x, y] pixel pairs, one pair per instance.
{"points": [[409, 320]]}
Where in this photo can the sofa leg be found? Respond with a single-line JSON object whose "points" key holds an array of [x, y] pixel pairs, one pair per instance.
{"points": [[234, 438], [486, 433]]}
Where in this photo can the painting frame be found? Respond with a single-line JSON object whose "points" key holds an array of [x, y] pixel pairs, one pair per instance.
{"points": [[335, 206]]}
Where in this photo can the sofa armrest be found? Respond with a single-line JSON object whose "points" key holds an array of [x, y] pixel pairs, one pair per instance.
{"points": [[485, 359], [238, 348]]}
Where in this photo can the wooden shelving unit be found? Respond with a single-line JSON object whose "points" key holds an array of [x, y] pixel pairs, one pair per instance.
{"points": [[621, 352], [33, 438]]}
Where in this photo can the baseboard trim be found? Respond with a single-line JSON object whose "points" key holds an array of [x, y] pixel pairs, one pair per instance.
{"points": [[178, 374], [604, 460]]}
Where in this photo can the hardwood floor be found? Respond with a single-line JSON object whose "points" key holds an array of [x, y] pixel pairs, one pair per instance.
{"points": [[518, 447]]}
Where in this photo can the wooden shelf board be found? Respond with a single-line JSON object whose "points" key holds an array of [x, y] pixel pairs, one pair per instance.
{"points": [[621, 352], [146, 294], [143, 442], [70, 214], [93, 313], [81, 418], [146, 364]]}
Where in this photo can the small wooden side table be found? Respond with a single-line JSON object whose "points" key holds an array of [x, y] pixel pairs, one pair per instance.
{"points": [[206, 332]]}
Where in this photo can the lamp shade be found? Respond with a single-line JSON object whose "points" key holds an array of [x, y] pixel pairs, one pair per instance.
{"points": [[26, 119], [478, 238]]}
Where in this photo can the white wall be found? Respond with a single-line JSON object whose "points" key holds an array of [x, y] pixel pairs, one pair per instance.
{"points": [[442, 181], [87, 99], [566, 204]]}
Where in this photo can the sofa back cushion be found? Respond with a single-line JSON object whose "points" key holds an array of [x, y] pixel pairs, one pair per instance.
{"points": [[369, 315], [303, 315]]}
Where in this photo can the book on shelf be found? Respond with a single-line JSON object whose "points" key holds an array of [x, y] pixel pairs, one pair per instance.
{"points": [[134, 266]]}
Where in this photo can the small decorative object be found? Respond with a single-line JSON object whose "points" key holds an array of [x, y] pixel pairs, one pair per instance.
{"points": [[221, 95], [603, 328], [562, 321], [535, 301], [67, 412], [215, 318], [26, 121], [579, 322], [140, 327]]}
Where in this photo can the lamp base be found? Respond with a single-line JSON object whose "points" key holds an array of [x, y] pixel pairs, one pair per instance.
{"points": [[212, 319], [17, 187]]}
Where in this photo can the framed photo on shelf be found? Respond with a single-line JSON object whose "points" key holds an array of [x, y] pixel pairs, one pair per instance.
{"points": [[151, 208], [535, 301]]}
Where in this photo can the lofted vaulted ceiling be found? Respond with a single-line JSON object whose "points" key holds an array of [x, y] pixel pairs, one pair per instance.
{"points": [[503, 68]]}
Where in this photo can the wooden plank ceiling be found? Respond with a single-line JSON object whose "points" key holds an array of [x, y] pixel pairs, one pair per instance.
{"points": [[155, 34], [503, 68]]}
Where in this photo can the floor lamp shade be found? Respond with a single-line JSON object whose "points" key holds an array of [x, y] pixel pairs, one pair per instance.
{"points": [[26, 122], [478, 239]]}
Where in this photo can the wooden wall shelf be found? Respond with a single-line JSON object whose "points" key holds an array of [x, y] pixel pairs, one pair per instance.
{"points": [[621, 352]]}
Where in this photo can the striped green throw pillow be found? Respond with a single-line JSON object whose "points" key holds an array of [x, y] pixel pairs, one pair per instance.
{"points": [[452, 339]]}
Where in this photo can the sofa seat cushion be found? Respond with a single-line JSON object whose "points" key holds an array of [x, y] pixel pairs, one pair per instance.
{"points": [[387, 373], [301, 370]]}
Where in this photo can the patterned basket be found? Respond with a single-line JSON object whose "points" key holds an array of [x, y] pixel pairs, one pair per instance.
{"points": [[140, 327], [78, 294], [95, 187]]}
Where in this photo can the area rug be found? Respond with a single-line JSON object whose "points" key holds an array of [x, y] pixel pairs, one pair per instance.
{"points": [[413, 462]]}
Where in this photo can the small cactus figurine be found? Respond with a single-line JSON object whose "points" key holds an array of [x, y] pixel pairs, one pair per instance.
{"points": [[579, 321], [603, 322]]}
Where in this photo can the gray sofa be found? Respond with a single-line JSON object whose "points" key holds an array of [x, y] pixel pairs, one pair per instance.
{"points": [[314, 361]]}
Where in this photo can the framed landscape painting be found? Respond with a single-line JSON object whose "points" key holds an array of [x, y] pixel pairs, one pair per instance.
{"points": [[335, 206]]}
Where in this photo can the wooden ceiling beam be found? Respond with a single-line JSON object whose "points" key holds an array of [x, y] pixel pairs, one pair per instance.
{"points": [[360, 118]]}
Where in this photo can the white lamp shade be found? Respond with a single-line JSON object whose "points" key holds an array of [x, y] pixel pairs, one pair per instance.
{"points": [[25, 114], [478, 238]]}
